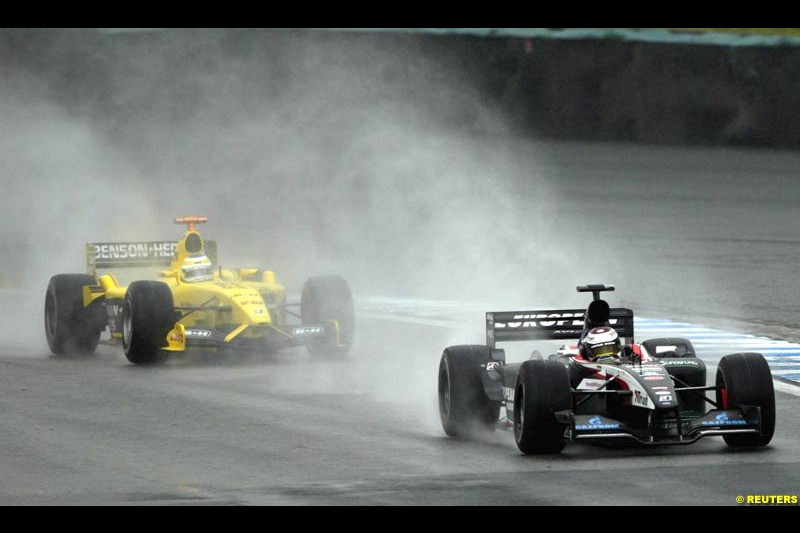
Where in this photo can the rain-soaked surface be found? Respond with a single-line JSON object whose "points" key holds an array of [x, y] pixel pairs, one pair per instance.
{"points": [[311, 173]]}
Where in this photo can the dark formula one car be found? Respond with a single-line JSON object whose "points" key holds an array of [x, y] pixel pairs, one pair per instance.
{"points": [[193, 304], [652, 392]]}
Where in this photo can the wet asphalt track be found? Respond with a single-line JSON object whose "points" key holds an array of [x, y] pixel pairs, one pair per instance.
{"points": [[99, 431], [365, 430]]}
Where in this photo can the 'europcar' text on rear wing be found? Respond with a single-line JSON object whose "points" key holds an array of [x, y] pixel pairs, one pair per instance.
{"points": [[136, 254], [550, 324]]}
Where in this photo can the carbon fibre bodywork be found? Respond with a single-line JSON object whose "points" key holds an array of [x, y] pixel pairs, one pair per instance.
{"points": [[654, 392]]}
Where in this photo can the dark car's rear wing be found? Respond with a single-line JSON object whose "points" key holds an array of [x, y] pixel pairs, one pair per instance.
{"points": [[135, 254], [550, 324]]}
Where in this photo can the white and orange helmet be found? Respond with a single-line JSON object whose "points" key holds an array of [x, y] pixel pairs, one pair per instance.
{"points": [[601, 345]]}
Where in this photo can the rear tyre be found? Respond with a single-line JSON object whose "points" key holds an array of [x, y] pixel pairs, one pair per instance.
{"points": [[148, 313], [327, 300], [542, 388], [745, 379], [70, 327], [464, 408]]}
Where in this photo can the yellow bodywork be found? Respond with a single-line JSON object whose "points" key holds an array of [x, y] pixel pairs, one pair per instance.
{"points": [[176, 338], [234, 301]]}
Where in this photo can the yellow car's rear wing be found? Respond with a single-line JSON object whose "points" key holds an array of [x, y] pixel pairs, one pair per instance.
{"points": [[105, 255]]}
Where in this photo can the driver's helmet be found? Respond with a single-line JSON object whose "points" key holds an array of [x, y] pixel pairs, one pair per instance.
{"points": [[601, 345], [197, 268]]}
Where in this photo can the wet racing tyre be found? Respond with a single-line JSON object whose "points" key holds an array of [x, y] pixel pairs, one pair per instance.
{"points": [[327, 300], [70, 327], [148, 313], [464, 408], [745, 379], [542, 388]]}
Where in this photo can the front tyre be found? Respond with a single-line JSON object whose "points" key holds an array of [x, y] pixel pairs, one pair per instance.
{"points": [[148, 314], [542, 388], [327, 300], [464, 408], [745, 379], [70, 327]]}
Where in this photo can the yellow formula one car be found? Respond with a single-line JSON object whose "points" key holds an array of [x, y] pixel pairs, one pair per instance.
{"points": [[192, 303]]}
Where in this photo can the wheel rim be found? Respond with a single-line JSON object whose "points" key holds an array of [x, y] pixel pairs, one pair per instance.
{"points": [[722, 391], [127, 321], [50, 315], [519, 412], [444, 390]]}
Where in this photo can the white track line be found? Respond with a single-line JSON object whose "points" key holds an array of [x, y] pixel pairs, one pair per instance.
{"points": [[783, 356]]}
